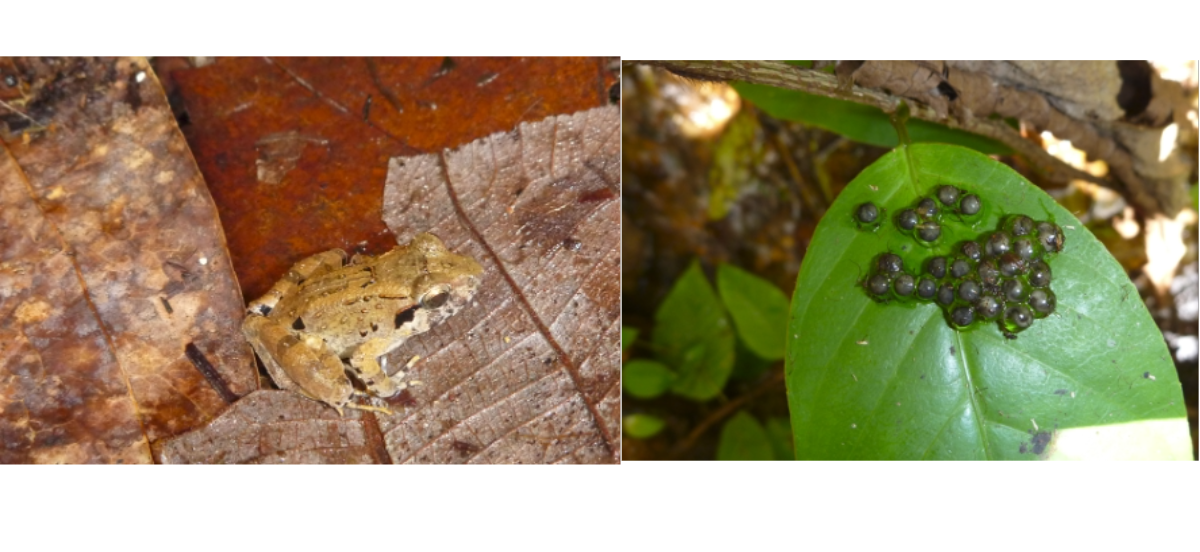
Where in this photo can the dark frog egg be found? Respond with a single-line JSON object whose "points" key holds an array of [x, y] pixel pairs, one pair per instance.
{"points": [[948, 195], [1014, 290], [998, 244], [907, 219], [972, 251], [988, 273], [1042, 301], [1051, 236], [926, 208], [929, 231], [963, 316], [1039, 275], [936, 267], [960, 268], [867, 213], [1018, 316], [970, 204], [945, 294], [904, 285], [1020, 225], [969, 291], [1024, 249], [987, 307], [1010, 264], [926, 288], [878, 284], [890, 263]]}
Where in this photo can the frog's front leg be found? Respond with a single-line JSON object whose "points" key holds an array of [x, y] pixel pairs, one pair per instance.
{"points": [[301, 271], [303, 364], [365, 363]]}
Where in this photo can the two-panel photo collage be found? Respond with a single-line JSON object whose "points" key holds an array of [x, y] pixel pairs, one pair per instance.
{"points": [[456, 260]]}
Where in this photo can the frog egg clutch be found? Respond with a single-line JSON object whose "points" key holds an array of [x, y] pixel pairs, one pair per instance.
{"points": [[1001, 276]]}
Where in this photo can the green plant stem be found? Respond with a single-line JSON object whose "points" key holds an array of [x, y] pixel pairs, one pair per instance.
{"points": [[773, 379]]}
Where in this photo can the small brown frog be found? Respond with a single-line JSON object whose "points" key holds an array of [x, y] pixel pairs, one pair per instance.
{"points": [[322, 312]]}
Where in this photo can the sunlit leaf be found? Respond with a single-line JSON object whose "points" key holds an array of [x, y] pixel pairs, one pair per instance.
{"points": [[871, 380]]}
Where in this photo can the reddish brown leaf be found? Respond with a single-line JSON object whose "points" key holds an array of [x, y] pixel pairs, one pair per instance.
{"points": [[111, 264], [295, 150]]}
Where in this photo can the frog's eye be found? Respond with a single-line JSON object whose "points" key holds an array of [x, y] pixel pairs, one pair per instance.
{"points": [[435, 299]]}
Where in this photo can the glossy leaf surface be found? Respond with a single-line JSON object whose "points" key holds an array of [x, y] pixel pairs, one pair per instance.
{"points": [[892, 381]]}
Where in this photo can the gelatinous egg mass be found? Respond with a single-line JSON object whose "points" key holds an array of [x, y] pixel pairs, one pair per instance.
{"points": [[1001, 276]]}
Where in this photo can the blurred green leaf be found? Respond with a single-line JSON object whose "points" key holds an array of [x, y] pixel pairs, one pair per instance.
{"points": [[779, 431], [862, 123], [743, 438], [642, 426], [759, 310], [646, 379], [628, 337], [890, 381], [694, 337]]}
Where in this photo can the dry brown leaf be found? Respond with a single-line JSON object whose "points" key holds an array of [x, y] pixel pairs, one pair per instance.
{"points": [[538, 379], [112, 263], [279, 427], [530, 371]]}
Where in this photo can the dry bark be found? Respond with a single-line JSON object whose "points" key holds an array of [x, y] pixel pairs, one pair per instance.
{"points": [[1088, 103]]}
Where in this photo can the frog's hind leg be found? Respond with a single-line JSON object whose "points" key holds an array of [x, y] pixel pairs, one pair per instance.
{"points": [[307, 268], [303, 365]]}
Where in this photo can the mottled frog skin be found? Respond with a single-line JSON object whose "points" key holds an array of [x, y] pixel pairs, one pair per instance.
{"points": [[322, 312]]}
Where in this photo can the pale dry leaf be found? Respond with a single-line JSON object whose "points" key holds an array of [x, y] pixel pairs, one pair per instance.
{"points": [[534, 375], [279, 427]]}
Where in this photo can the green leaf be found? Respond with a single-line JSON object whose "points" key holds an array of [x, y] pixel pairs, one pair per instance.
{"points": [[642, 426], [628, 337], [870, 380], [862, 123], [758, 309], [743, 438], [779, 431], [646, 379], [693, 336]]}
